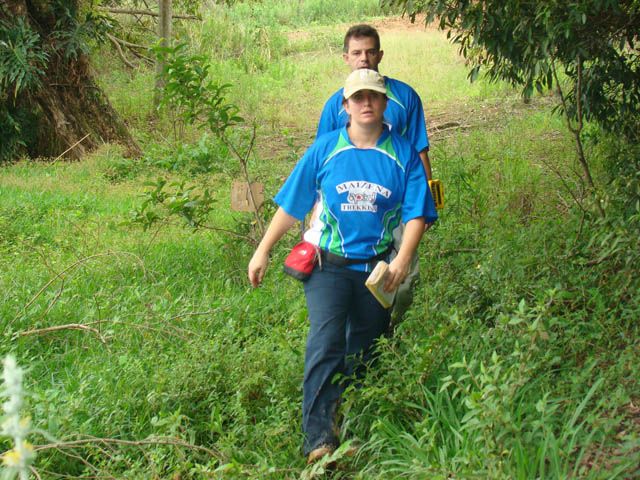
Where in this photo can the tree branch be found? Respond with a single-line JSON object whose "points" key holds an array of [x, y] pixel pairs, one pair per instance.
{"points": [[244, 159], [120, 52], [150, 13], [133, 48], [564, 183], [217, 229], [577, 130]]}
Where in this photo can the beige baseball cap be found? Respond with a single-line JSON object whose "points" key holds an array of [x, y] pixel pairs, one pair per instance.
{"points": [[364, 79]]}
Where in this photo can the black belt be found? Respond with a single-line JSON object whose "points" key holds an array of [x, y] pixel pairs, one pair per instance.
{"points": [[334, 259]]}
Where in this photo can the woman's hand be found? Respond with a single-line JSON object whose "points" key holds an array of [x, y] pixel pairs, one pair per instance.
{"points": [[398, 271], [257, 267], [400, 266], [280, 223]]}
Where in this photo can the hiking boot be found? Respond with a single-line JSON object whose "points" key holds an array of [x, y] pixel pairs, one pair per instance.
{"points": [[318, 453], [352, 450]]}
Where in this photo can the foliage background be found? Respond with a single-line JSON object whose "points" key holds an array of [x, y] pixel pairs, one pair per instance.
{"points": [[517, 360]]}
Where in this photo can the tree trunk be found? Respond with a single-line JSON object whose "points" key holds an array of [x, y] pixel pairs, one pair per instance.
{"points": [[164, 35], [68, 106]]}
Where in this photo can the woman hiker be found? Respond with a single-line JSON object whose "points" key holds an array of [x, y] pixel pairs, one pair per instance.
{"points": [[369, 180]]}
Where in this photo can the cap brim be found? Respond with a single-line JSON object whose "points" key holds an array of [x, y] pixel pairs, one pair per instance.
{"points": [[349, 93]]}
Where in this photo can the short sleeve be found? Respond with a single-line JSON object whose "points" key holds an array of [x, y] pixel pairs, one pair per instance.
{"points": [[329, 119], [417, 201], [298, 194], [416, 126]]}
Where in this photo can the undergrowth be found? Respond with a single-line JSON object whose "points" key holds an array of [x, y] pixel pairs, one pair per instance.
{"points": [[149, 356]]}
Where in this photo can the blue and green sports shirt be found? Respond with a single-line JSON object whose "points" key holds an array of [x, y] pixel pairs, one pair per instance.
{"points": [[404, 114], [363, 194]]}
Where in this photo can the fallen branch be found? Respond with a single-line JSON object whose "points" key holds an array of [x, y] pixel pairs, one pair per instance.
{"points": [[57, 328], [128, 44], [446, 129], [131, 443], [115, 42], [71, 147], [132, 47], [182, 335], [447, 125], [150, 13]]}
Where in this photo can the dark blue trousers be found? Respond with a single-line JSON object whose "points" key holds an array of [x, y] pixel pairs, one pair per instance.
{"points": [[345, 321]]}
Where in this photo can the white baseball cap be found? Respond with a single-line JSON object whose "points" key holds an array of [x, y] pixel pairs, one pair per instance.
{"points": [[364, 79]]}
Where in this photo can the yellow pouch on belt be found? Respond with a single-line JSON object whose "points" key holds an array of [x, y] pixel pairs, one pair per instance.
{"points": [[437, 192]]}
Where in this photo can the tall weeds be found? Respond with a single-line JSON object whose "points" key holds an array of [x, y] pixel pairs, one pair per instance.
{"points": [[518, 358]]}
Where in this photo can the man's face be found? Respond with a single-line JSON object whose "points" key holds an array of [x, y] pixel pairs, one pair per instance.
{"points": [[362, 54]]}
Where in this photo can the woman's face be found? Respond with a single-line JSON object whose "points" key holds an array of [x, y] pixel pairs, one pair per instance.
{"points": [[366, 107]]}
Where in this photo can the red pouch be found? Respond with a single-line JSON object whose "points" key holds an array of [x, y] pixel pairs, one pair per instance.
{"points": [[301, 260]]}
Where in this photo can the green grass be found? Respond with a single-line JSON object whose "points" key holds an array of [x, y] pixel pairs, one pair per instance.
{"points": [[517, 359]]}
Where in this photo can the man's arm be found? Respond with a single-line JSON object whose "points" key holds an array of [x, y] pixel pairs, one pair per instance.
{"points": [[426, 163], [416, 130], [424, 156]]}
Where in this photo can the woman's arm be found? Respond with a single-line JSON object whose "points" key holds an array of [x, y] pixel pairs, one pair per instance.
{"points": [[400, 266], [280, 224]]}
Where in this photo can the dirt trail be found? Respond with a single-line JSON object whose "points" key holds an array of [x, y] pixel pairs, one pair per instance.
{"points": [[442, 120], [402, 24]]}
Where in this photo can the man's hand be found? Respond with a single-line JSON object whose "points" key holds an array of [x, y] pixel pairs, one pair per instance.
{"points": [[257, 268]]}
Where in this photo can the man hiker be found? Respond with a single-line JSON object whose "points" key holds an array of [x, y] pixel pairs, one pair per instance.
{"points": [[404, 112]]}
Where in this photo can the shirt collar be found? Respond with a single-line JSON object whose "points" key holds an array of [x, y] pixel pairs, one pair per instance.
{"points": [[386, 131]]}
